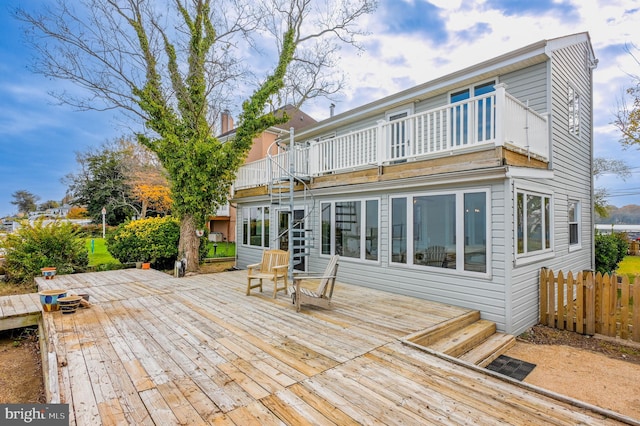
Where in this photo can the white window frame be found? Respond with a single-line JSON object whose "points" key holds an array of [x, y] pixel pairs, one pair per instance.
{"points": [[265, 236], [473, 124], [577, 222], [545, 253], [573, 111], [363, 227], [459, 231]]}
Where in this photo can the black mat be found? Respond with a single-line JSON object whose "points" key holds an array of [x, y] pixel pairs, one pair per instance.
{"points": [[512, 367]]}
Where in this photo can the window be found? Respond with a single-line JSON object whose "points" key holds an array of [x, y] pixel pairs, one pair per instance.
{"points": [[350, 229], [461, 122], [255, 226], [574, 222], [574, 112], [449, 230], [399, 230], [533, 225]]}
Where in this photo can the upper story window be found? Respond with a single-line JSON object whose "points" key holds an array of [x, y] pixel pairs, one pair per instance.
{"points": [[462, 122], [350, 228], [574, 222], [533, 222], [255, 226], [574, 111]]}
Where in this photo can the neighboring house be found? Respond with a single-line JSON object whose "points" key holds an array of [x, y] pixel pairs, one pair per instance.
{"points": [[222, 225], [458, 190], [55, 212]]}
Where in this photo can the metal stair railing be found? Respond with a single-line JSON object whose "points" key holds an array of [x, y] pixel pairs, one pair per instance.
{"points": [[283, 179]]}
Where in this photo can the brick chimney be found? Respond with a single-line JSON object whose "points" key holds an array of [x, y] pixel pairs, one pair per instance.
{"points": [[227, 121]]}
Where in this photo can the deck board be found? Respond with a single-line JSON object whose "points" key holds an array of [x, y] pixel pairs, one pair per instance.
{"points": [[154, 349]]}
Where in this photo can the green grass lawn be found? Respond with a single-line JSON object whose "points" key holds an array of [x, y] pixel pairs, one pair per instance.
{"points": [[629, 266], [224, 249], [100, 254]]}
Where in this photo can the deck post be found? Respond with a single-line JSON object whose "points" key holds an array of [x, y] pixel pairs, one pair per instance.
{"points": [[381, 141], [501, 90]]}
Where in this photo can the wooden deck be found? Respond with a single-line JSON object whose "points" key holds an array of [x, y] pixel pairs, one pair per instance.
{"points": [[159, 350], [20, 310]]}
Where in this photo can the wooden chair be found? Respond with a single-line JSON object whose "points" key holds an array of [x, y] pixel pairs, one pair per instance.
{"points": [[322, 295], [273, 267], [434, 256]]}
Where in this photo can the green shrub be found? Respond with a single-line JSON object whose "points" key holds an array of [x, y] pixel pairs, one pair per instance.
{"points": [[610, 249], [30, 248], [152, 240]]}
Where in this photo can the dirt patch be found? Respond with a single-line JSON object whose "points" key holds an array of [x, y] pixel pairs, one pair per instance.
{"points": [[589, 369], [21, 367], [8, 289], [212, 267], [542, 335]]}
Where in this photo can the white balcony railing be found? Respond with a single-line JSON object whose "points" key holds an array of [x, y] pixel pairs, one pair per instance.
{"points": [[496, 118], [223, 210]]}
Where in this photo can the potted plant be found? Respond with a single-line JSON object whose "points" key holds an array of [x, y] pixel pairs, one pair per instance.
{"points": [[48, 272]]}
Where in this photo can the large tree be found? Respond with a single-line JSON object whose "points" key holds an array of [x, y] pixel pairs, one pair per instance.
{"points": [[25, 201], [175, 65], [121, 176], [627, 118], [102, 182]]}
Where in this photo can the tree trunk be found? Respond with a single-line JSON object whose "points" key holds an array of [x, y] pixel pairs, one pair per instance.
{"points": [[143, 209], [189, 244]]}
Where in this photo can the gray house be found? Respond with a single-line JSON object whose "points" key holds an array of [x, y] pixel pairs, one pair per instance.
{"points": [[457, 190]]}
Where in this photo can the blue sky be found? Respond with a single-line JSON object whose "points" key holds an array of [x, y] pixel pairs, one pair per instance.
{"points": [[410, 42]]}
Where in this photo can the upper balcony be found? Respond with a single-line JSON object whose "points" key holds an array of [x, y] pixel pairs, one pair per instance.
{"points": [[491, 120]]}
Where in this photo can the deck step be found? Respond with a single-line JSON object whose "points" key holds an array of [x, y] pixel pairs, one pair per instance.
{"points": [[443, 330], [465, 339], [487, 351]]}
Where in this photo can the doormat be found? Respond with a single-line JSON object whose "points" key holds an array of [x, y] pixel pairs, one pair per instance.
{"points": [[511, 367]]}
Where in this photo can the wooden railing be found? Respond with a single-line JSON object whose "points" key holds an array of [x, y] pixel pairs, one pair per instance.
{"points": [[589, 303], [496, 118]]}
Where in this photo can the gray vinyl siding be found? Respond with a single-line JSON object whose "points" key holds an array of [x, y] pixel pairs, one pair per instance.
{"points": [[572, 180], [508, 294], [572, 156], [529, 84]]}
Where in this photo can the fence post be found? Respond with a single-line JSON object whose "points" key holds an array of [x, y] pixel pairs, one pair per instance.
{"points": [[590, 304], [624, 308], [560, 301], [580, 291], [551, 311], [613, 304], [636, 309], [571, 304], [543, 295]]}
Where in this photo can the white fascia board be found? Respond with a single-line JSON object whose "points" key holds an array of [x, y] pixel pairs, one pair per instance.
{"points": [[529, 173]]}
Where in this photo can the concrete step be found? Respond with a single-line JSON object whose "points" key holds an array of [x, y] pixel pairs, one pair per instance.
{"points": [[463, 340], [494, 346]]}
